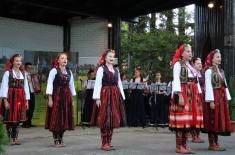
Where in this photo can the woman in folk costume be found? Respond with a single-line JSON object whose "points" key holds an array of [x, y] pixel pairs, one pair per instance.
{"points": [[109, 96], [15, 95], [216, 108], [60, 90], [198, 106], [185, 89]]}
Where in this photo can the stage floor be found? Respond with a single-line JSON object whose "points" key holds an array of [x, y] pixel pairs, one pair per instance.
{"points": [[128, 141]]}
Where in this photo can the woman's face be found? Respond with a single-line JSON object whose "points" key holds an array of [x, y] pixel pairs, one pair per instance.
{"points": [[137, 73], [198, 64], [63, 60], [109, 59], [17, 62], [158, 76], [187, 53], [92, 75], [216, 59]]}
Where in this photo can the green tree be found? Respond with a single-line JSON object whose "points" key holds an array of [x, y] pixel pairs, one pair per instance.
{"points": [[154, 46]]}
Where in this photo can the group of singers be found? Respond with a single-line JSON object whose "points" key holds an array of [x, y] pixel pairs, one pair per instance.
{"points": [[198, 100], [142, 105]]}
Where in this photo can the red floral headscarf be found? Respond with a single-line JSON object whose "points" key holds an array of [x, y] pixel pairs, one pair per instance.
{"points": [[102, 57], [208, 62], [178, 54]]}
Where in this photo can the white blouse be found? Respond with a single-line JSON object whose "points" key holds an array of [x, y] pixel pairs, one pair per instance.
{"points": [[50, 80], [138, 80], [98, 84], [5, 84], [209, 94], [176, 84]]}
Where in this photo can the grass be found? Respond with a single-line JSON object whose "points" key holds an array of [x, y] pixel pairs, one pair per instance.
{"points": [[3, 138]]}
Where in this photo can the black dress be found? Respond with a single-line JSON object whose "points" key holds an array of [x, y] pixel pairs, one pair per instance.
{"points": [[136, 108], [159, 109], [88, 107]]}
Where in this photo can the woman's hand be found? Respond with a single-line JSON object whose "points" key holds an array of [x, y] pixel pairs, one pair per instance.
{"points": [[6, 104], [98, 103], [181, 100], [212, 105], [50, 101], [27, 104]]}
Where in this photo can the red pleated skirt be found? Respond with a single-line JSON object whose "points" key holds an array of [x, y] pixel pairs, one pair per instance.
{"points": [[111, 113], [198, 112], [181, 118], [17, 106], [217, 120], [61, 116]]}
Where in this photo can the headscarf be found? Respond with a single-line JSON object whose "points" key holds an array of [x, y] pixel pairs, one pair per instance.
{"points": [[103, 56], [55, 63], [178, 54], [208, 62]]}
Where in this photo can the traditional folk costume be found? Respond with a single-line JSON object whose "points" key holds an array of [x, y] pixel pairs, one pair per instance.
{"points": [[159, 108], [217, 121], [60, 117], [88, 105], [181, 117], [16, 90], [111, 114], [136, 109], [198, 112]]}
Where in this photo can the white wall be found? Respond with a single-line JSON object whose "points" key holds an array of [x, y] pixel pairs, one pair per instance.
{"points": [[32, 36], [89, 36]]}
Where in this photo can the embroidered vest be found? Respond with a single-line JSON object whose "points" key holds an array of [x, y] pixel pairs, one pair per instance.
{"points": [[183, 73], [14, 82], [217, 80]]}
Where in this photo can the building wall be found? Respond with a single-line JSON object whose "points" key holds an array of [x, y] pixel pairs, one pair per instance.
{"points": [[89, 36], [214, 29], [24, 35]]}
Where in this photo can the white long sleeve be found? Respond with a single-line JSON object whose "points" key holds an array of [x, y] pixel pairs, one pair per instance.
{"points": [[120, 86], [176, 84], [50, 80], [209, 93], [4, 85], [26, 88], [98, 83], [71, 85]]}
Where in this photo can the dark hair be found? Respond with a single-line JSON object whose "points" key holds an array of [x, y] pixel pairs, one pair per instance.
{"points": [[140, 70], [90, 71], [195, 59], [28, 64]]}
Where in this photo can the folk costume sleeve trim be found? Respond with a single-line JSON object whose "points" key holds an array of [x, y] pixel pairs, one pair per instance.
{"points": [[98, 83]]}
